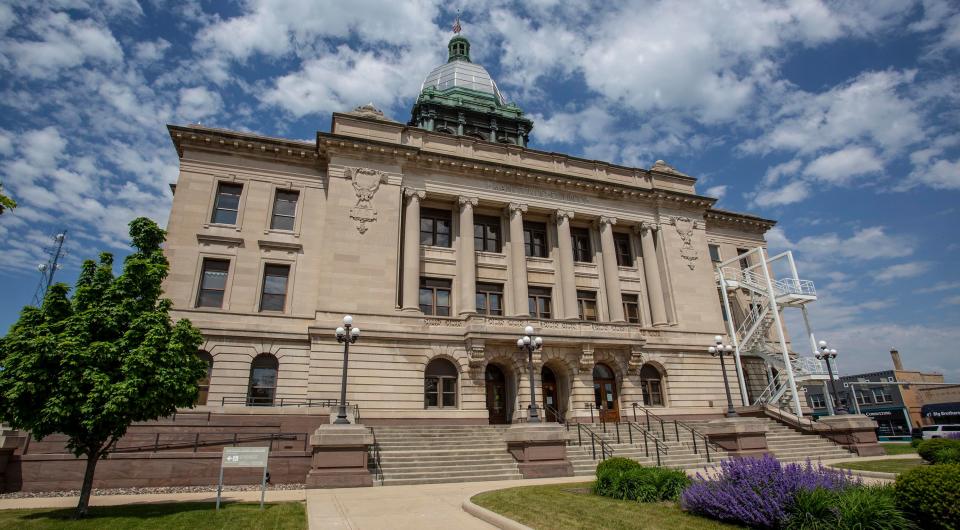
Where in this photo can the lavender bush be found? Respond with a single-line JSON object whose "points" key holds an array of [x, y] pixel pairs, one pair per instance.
{"points": [[758, 491]]}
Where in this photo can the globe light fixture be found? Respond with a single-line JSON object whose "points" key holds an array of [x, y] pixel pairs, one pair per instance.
{"points": [[347, 334], [720, 349], [828, 355], [530, 345]]}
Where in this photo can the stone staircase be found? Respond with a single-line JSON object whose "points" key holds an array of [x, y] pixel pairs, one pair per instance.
{"points": [[679, 454], [446, 453], [791, 445]]}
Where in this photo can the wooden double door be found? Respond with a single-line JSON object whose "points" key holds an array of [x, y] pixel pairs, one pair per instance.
{"points": [[605, 393], [496, 394]]}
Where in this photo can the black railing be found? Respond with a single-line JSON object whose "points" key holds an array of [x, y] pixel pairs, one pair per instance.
{"points": [[595, 440], [659, 448], [809, 425], [549, 409], [252, 401], [211, 439], [373, 458], [655, 423]]}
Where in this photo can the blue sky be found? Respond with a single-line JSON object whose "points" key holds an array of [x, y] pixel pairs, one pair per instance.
{"points": [[838, 119]]}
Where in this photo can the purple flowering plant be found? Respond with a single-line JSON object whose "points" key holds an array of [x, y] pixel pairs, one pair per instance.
{"points": [[758, 492]]}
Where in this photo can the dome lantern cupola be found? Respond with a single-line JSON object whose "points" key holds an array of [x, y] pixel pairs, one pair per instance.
{"points": [[460, 98]]}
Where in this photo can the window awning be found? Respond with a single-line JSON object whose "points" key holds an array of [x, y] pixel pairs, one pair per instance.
{"points": [[939, 410]]}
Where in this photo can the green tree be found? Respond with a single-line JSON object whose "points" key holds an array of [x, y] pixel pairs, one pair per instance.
{"points": [[90, 365], [6, 202]]}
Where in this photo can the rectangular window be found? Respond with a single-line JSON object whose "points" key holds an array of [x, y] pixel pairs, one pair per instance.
{"points": [[882, 395], [714, 253], [284, 209], [535, 239], [539, 301], [631, 308], [489, 299], [213, 282], [435, 297], [621, 243], [863, 398], [587, 304], [435, 227], [816, 401], [274, 296], [744, 261], [580, 238], [486, 233], [227, 203]]}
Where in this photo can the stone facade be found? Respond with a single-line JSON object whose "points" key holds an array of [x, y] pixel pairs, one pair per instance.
{"points": [[354, 248]]}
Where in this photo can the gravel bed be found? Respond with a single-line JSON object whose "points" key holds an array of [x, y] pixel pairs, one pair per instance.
{"points": [[143, 491]]}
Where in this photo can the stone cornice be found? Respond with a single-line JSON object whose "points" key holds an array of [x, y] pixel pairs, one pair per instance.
{"points": [[327, 141], [740, 220], [240, 142]]}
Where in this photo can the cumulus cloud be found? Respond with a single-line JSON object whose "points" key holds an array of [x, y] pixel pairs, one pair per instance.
{"points": [[198, 102], [863, 244], [61, 42], [901, 270], [841, 166]]}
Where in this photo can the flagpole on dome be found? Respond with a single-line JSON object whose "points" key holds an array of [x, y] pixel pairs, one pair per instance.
{"points": [[456, 25]]}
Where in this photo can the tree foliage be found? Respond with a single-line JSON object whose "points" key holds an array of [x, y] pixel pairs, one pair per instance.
{"points": [[6, 203], [89, 365]]}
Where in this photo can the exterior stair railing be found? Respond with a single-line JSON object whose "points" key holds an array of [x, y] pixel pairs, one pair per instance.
{"points": [[373, 458], [594, 439], [704, 443]]}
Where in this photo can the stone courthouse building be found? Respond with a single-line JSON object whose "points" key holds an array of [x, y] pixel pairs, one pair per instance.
{"points": [[443, 237]]}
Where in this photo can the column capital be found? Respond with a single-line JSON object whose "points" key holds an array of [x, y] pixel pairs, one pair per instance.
{"points": [[647, 225], [464, 201], [414, 192], [515, 207], [560, 215], [604, 220]]}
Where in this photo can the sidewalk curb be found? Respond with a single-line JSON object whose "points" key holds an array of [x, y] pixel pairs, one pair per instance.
{"points": [[865, 473], [493, 518]]}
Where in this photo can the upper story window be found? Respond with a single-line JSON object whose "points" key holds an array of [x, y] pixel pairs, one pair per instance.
{"points": [[539, 302], [490, 299], [587, 304], [274, 296], [745, 260], [863, 398], [284, 209], [816, 401], [227, 204], [631, 308], [535, 239], [621, 243], [581, 245], [435, 227], [882, 395], [213, 282], [486, 233], [435, 296], [714, 253]]}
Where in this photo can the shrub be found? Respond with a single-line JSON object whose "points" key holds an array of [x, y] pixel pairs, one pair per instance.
{"points": [[930, 495], [758, 491], [631, 481], [928, 448], [946, 455], [873, 507], [812, 510], [916, 442]]}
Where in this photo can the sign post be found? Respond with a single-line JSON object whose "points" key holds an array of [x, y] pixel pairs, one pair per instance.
{"points": [[235, 457]]}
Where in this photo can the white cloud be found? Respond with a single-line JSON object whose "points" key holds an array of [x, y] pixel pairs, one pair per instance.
{"points": [[865, 244], [198, 102], [790, 193], [901, 270], [839, 167], [63, 43], [717, 191], [940, 286], [151, 51], [7, 18]]}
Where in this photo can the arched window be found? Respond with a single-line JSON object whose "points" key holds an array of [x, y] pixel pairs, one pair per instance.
{"points": [[263, 380], [440, 384], [204, 382], [651, 385]]}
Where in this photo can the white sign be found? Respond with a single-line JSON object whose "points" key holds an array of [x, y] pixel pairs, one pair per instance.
{"points": [[234, 457]]}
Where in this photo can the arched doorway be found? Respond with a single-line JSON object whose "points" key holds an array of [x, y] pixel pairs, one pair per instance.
{"points": [[605, 392], [496, 394], [551, 406], [652, 386], [263, 380], [440, 384]]}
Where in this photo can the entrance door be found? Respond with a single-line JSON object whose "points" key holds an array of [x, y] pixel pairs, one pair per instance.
{"points": [[496, 394], [605, 393], [550, 405]]}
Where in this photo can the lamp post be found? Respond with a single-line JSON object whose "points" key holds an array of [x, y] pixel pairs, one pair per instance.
{"points": [[827, 354], [347, 335], [530, 345], [720, 349]]}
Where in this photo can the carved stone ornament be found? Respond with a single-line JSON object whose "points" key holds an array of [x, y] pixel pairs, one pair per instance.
{"points": [[685, 227], [475, 351], [586, 358], [366, 182], [636, 360]]}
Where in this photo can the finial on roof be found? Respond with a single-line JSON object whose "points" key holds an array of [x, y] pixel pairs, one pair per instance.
{"points": [[456, 25]]}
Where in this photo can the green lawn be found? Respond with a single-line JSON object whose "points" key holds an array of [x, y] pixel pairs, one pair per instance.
{"points": [[572, 506], [168, 516], [898, 449], [893, 465]]}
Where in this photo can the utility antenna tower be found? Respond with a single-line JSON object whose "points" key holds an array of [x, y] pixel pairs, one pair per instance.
{"points": [[48, 269]]}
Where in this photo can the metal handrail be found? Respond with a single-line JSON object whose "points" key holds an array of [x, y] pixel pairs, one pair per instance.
{"points": [[658, 446], [374, 455], [556, 414], [605, 449], [677, 424], [232, 439], [251, 401], [798, 422]]}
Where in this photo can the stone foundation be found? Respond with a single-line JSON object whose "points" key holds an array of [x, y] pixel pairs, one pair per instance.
{"points": [[539, 449], [340, 457], [740, 436], [855, 432]]}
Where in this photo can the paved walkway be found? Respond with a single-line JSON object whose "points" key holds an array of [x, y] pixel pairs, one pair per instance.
{"points": [[150, 498]]}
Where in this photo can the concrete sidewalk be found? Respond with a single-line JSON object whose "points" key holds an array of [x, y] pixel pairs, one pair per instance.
{"points": [[150, 498]]}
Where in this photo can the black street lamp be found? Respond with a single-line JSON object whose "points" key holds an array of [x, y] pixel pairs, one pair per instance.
{"points": [[720, 349], [530, 345], [347, 335], [826, 354]]}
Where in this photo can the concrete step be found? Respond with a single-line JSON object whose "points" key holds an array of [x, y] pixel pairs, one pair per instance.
{"points": [[439, 480], [449, 470]]}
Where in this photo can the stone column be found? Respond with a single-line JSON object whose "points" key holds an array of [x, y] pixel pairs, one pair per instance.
{"points": [[518, 260], [467, 258], [568, 285], [611, 273], [651, 269], [411, 249]]}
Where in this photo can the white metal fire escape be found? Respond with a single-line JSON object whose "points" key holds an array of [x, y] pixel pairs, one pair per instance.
{"points": [[752, 274]]}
